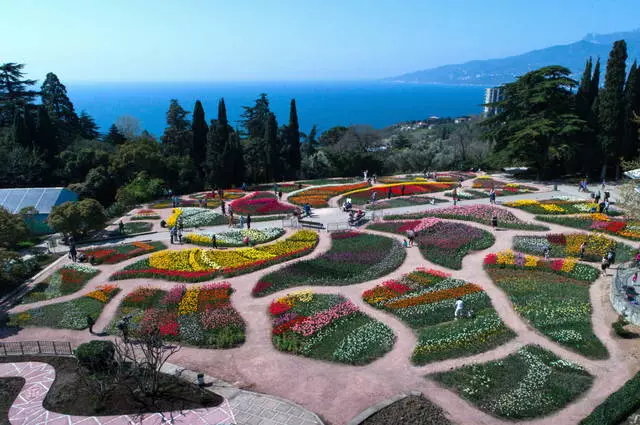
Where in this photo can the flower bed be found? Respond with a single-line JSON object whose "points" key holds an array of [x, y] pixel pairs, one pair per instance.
{"points": [[568, 245], [501, 188], [557, 207], [556, 302], [467, 194], [200, 315], [131, 228], [398, 189], [403, 202], [112, 254], [318, 197], [530, 383], [67, 315], [234, 238], [213, 196], [478, 213], [197, 265], [441, 242], [327, 327], [425, 300], [627, 229], [68, 279], [260, 203], [195, 217], [569, 267], [353, 258], [283, 187], [145, 215]]}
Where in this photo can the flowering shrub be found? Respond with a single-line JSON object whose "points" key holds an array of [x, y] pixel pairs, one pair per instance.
{"points": [[478, 213], [318, 196], [354, 257], [235, 238], [624, 228], [201, 315], [327, 327], [425, 300], [568, 245], [117, 253], [68, 279], [260, 203], [545, 383], [193, 265]]}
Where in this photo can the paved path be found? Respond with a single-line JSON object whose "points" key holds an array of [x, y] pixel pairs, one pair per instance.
{"points": [[339, 392]]}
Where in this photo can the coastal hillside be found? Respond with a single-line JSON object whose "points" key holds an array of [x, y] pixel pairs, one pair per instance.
{"points": [[493, 72]]}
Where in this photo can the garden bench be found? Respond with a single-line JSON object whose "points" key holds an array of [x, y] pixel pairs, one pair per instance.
{"points": [[311, 224]]}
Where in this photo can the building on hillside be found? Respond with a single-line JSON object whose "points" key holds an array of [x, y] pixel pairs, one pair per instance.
{"points": [[492, 95], [43, 199]]}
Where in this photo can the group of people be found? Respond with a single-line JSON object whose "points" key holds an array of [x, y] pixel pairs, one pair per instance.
{"points": [[355, 216]]}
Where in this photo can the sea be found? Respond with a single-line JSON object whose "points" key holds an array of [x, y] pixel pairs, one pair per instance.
{"points": [[325, 104]]}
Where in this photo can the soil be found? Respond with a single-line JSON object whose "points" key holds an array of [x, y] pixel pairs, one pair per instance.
{"points": [[413, 410], [9, 390], [72, 394]]}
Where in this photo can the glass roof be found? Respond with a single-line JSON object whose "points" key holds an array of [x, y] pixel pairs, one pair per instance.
{"points": [[43, 199]]}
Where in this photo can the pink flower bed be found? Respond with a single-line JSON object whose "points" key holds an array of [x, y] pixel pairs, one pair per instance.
{"points": [[313, 324]]}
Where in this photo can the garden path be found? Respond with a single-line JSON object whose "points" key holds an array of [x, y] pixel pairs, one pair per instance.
{"points": [[339, 392]]}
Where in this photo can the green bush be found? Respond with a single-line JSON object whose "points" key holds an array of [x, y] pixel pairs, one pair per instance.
{"points": [[618, 328], [96, 356], [618, 406]]}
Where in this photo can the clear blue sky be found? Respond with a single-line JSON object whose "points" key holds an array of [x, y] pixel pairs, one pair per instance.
{"points": [[259, 40]]}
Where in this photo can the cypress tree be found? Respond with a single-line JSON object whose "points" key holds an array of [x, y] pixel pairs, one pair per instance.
{"points": [[199, 129], [293, 141], [595, 83], [217, 140], [45, 139], [611, 110], [272, 150], [238, 160], [631, 96], [584, 90]]}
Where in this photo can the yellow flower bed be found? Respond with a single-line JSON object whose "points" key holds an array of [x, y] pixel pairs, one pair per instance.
{"points": [[198, 238], [599, 217], [171, 260], [522, 203], [552, 208], [568, 264], [173, 218], [189, 302], [295, 297], [574, 241]]}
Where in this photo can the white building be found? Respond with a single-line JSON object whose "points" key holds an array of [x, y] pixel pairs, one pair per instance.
{"points": [[492, 95]]}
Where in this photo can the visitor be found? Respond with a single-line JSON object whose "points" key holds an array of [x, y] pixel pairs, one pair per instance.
{"points": [[200, 202], [374, 195], [601, 207], [244, 186], [606, 206], [241, 221], [171, 234], [214, 241], [230, 218], [230, 210], [402, 190], [222, 207], [634, 278], [611, 256], [412, 236], [275, 189], [163, 223], [121, 227], [90, 323], [389, 193], [605, 265], [405, 243], [547, 251], [248, 221], [73, 253], [299, 186], [492, 196], [459, 309], [583, 249], [245, 241], [280, 195], [375, 178], [307, 210], [180, 235], [638, 259], [204, 202], [494, 222], [221, 194], [597, 197]]}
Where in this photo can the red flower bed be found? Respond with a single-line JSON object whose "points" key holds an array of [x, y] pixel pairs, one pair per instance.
{"points": [[259, 203], [280, 329], [260, 287], [409, 189], [397, 287], [277, 308]]}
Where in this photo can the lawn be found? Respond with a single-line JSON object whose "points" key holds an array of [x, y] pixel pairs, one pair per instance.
{"points": [[66, 280], [568, 245], [260, 203], [319, 196], [530, 383], [327, 327], [627, 229], [69, 314], [134, 227], [441, 242], [197, 265], [425, 301], [409, 201], [199, 315], [353, 258], [478, 213], [553, 296], [557, 207], [112, 254], [234, 238]]}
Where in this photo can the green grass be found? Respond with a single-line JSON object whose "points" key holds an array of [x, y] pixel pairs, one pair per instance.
{"points": [[618, 406], [557, 306], [530, 383], [132, 228]]}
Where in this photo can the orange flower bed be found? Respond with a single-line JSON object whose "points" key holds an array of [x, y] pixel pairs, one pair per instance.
{"points": [[431, 297], [318, 196]]}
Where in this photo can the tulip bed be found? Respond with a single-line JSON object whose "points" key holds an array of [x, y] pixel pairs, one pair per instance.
{"points": [[403, 202], [209, 196], [441, 242], [425, 300], [467, 194], [410, 188], [319, 196], [67, 315], [68, 279], [478, 213], [197, 265], [195, 217], [353, 258], [145, 215], [200, 315], [568, 245], [235, 238], [553, 300], [260, 203], [116, 253], [327, 327], [627, 229], [501, 188], [282, 187], [557, 207], [530, 383]]}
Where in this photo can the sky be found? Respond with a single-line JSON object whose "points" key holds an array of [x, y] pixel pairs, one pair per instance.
{"points": [[283, 40]]}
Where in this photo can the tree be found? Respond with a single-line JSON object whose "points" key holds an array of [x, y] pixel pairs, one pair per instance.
{"points": [[310, 142], [631, 107], [255, 117], [138, 155], [177, 138], [77, 218], [114, 136], [587, 147], [46, 139], [292, 145], [22, 166], [141, 189], [76, 161], [272, 148], [332, 136], [199, 129], [60, 109], [87, 126], [217, 139], [12, 229], [611, 108], [15, 92], [99, 184], [128, 126]]}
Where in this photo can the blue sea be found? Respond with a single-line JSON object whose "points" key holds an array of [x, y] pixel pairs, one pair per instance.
{"points": [[325, 104]]}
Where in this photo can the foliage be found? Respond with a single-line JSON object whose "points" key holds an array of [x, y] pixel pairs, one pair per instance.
{"points": [[141, 189], [97, 355], [618, 406], [13, 228], [77, 218], [630, 199]]}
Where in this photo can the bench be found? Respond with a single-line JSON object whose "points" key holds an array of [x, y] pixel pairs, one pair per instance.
{"points": [[311, 224]]}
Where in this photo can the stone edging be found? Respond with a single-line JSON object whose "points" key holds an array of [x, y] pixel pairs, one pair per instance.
{"points": [[370, 411], [621, 305]]}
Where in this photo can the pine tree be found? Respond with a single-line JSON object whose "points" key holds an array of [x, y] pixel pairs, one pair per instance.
{"points": [[632, 107], [293, 142], [114, 137], [61, 110], [15, 92], [272, 151], [177, 138], [88, 126], [199, 129], [611, 110]]}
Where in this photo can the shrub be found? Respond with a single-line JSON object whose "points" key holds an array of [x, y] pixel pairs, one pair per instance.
{"points": [[96, 356], [618, 328], [618, 406]]}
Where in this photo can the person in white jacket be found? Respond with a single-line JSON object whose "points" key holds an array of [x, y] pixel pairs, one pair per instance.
{"points": [[459, 309]]}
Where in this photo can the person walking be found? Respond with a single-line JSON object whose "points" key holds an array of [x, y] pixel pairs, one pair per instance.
{"points": [[73, 253], [248, 221], [230, 218], [492, 196], [459, 309], [389, 193], [605, 265], [241, 221], [223, 208], [411, 235], [597, 197], [547, 251], [280, 195], [494, 222], [90, 323], [214, 241], [611, 256], [454, 195], [402, 190], [171, 234]]}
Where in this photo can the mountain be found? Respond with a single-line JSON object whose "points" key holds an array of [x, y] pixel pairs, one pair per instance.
{"points": [[494, 72]]}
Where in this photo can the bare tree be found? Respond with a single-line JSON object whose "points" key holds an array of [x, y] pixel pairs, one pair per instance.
{"points": [[128, 125]]}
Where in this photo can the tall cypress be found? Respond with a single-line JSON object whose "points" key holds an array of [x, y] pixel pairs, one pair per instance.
{"points": [[45, 139], [217, 139], [199, 129], [272, 169], [60, 108], [631, 98], [238, 160], [293, 141], [582, 96], [611, 109], [595, 82]]}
